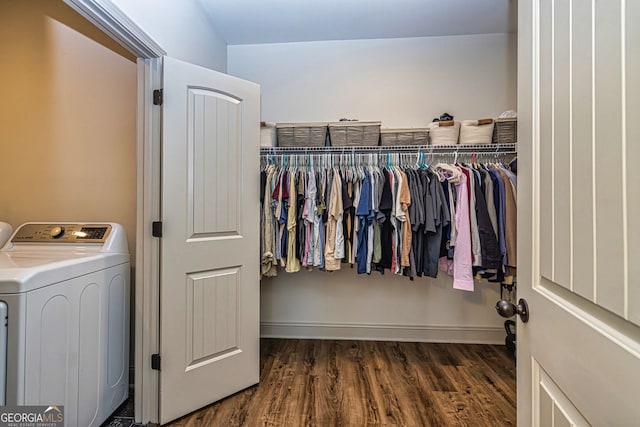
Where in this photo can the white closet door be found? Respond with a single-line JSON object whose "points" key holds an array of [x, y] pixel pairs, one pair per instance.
{"points": [[209, 308], [579, 212]]}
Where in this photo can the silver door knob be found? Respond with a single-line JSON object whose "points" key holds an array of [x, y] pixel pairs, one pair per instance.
{"points": [[508, 309]]}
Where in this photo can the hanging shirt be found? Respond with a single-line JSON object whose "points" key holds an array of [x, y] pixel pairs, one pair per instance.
{"points": [[339, 251], [370, 232], [446, 230], [386, 205], [512, 177], [511, 216], [269, 265], [377, 222], [309, 215], [292, 264], [473, 221], [405, 201], [417, 213], [363, 212], [334, 223], [488, 196], [347, 224], [395, 236], [281, 216], [319, 253], [357, 189], [462, 269], [489, 243], [300, 226], [499, 198], [434, 239]]}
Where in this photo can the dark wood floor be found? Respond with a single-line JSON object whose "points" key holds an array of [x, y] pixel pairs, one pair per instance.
{"points": [[359, 383]]}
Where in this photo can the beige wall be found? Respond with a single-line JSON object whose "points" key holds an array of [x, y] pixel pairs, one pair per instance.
{"points": [[401, 82], [67, 119]]}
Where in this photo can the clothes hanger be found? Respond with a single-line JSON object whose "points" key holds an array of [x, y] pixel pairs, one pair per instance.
{"points": [[453, 171], [361, 171]]}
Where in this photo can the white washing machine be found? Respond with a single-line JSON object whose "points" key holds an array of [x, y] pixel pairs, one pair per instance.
{"points": [[64, 291]]}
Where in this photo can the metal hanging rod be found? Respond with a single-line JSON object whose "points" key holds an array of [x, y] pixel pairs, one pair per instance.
{"points": [[457, 148]]}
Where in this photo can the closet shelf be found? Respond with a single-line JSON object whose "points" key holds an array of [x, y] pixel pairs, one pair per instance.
{"points": [[456, 148]]}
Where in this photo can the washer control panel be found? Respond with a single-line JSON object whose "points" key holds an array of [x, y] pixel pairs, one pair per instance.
{"points": [[62, 233]]}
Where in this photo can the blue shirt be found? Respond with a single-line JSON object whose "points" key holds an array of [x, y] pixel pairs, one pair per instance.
{"points": [[499, 200], [364, 214]]}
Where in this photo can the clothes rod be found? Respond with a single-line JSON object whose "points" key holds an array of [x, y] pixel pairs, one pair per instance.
{"points": [[455, 148]]}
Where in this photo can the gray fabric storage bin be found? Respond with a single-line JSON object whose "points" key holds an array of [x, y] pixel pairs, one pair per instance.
{"points": [[301, 134], [505, 131], [354, 133], [408, 136]]}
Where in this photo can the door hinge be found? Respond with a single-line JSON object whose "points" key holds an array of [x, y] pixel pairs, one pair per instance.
{"points": [[157, 97], [156, 228], [155, 362]]}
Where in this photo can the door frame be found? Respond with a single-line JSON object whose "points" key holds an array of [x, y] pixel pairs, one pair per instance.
{"points": [[112, 21]]}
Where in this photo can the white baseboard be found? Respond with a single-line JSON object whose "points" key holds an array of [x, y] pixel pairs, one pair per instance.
{"points": [[384, 332]]}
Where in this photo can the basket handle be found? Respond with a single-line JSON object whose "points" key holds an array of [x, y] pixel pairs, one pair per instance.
{"points": [[445, 123], [485, 121]]}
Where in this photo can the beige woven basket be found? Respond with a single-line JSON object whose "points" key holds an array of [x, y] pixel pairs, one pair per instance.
{"points": [[354, 133], [444, 135], [476, 131], [268, 136], [411, 136], [302, 134]]}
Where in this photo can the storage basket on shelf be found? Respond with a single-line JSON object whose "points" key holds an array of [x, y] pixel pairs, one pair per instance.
{"points": [[267, 134], [302, 134], [354, 133], [505, 131], [444, 132], [412, 136], [476, 131]]}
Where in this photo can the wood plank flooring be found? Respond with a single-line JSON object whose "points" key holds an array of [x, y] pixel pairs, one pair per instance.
{"points": [[360, 383]]}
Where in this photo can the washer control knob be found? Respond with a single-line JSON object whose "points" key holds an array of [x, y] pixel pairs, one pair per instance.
{"points": [[56, 232]]}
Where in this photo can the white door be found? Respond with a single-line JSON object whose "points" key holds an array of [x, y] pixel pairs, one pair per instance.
{"points": [[579, 205], [209, 307]]}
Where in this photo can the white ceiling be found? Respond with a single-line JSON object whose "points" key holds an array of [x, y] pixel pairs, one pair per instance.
{"points": [[282, 21]]}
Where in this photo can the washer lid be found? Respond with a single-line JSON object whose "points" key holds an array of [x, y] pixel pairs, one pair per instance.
{"points": [[41, 254], [23, 271]]}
